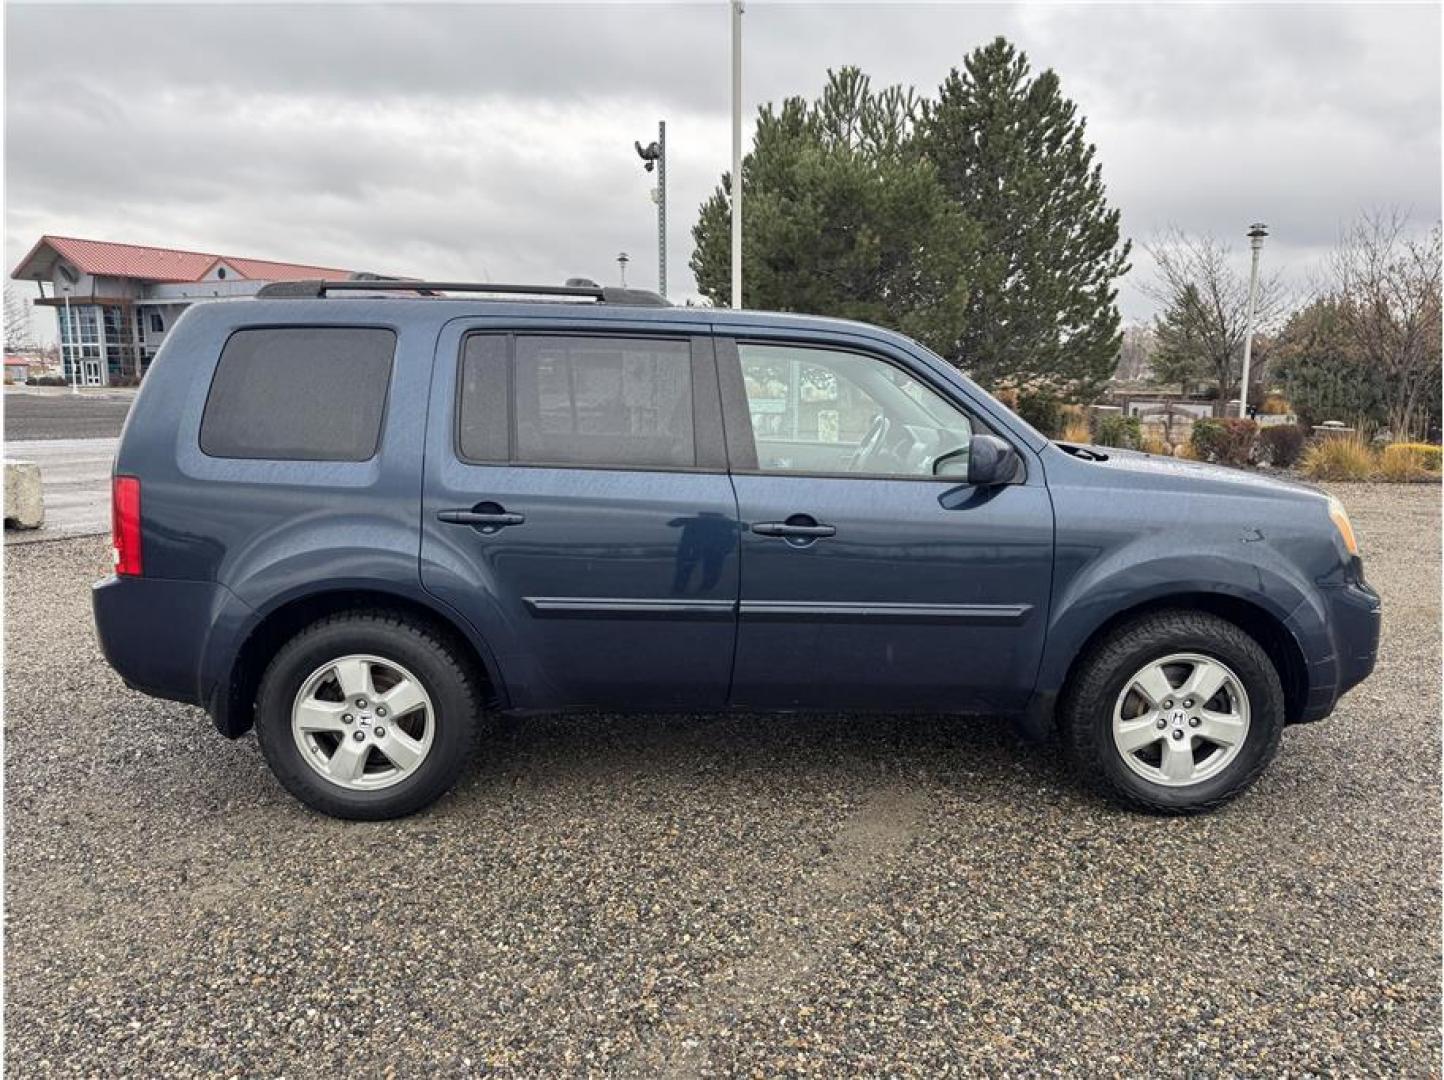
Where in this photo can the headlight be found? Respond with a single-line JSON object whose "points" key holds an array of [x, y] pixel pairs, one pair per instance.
{"points": [[1340, 517]]}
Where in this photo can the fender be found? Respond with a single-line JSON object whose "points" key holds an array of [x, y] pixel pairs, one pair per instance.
{"points": [[350, 571], [1129, 578]]}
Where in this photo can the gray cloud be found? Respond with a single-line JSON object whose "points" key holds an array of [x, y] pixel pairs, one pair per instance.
{"points": [[496, 141]]}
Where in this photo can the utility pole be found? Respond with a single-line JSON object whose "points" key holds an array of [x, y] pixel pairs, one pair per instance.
{"points": [[736, 154], [1256, 233], [655, 156]]}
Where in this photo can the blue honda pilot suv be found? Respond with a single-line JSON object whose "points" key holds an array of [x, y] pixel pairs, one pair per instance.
{"points": [[363, 517]]}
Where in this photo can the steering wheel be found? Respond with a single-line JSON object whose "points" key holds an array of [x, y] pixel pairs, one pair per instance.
{"points": [[871, 443]]}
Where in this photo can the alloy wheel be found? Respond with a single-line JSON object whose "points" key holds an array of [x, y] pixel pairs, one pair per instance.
{"points": [[363, 722], [1181, 719]]}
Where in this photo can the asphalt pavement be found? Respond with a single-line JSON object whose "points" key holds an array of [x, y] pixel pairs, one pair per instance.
{"points": [[72, 437], [52, 412], [75, 483], [718, 895]]}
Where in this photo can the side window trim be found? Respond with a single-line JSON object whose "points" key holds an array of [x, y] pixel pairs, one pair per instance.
{"points": [[737, 413], [709, 446]]}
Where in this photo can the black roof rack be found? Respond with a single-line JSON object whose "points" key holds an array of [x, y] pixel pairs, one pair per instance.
{"points": [[315, 289]]}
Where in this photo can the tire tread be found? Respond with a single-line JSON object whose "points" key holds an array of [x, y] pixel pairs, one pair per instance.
{"points": [[1161, 630], [444, 651]]}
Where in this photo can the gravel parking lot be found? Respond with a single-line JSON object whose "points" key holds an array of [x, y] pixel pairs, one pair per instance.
{"points": [[734, 896]]}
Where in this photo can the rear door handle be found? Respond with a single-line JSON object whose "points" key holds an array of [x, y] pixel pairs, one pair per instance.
{"points": [[488, 517], [811, 529]]}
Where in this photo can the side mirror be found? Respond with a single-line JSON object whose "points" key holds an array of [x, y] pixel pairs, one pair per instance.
{"points": [[991, 461]]}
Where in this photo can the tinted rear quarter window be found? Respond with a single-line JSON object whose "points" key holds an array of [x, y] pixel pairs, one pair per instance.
{"points": [[299, 394]]}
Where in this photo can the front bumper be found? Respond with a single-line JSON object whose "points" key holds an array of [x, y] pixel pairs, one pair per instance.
{"points": [[1354, 618]]}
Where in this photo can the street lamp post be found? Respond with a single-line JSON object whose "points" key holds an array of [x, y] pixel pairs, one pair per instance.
{"points": [[1256, 233], [653, 156], [74, 349], [736, 154]]}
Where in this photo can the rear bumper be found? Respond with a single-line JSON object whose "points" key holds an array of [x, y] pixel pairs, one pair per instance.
{"points": [[154, 632], [1354, 618]]}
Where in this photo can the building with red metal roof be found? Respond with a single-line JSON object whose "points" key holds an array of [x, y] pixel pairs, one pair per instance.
{"points": [[115, 302]]}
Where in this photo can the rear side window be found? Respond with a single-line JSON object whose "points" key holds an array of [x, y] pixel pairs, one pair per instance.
{"points": [[600, 401], [299, 394]]}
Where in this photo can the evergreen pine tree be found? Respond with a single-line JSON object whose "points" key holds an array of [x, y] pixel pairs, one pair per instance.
{"points": [[1010, 150]]}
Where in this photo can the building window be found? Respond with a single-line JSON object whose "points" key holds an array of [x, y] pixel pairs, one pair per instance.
{"points": [[221, 273], [157, 324], [78, 323]]}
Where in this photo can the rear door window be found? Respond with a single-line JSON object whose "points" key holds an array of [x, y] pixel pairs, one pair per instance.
{"points": [[299, 394], [601, 401]]}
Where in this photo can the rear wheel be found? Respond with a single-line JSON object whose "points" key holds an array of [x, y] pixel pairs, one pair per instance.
{"points": [[367, 716], [1177, 712]]}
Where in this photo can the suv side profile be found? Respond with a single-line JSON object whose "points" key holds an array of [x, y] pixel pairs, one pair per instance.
{"points": [[364, 517]]}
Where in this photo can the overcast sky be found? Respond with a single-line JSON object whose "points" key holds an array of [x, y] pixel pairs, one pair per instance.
{"points": [[495, 142]]}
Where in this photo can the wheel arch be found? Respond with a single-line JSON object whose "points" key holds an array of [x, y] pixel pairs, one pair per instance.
{"points": [[1264, 626], [233, 700]]}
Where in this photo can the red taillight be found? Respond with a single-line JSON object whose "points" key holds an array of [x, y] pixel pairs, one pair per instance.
{"points": [[125, 523]]}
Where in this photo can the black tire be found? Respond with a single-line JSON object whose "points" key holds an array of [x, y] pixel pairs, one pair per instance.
{"points": [[1086, 712], [434, 660]]}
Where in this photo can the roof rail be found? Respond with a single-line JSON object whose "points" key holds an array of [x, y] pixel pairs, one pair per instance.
{"points": [[315, 289]]}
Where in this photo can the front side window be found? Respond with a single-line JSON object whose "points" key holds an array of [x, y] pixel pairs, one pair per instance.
{"points": [[828, 411], [299, 394], [599, 401]]}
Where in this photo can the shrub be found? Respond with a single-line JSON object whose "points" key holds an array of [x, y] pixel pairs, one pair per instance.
{"points": [[1043, 412], [1282, 444], [1431, 455], [1120, 431], [1153, 444], [1228, 440], [1274, 405], [1076, 430], [1409, 461], [1338, 459]]}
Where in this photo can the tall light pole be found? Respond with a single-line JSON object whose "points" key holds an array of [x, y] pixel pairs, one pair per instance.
{"points": [[654, 155], [74, 346], [1256, 233], [736, 154]]}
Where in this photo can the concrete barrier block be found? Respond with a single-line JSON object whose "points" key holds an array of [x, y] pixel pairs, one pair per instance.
{"points": [[24, 503]]}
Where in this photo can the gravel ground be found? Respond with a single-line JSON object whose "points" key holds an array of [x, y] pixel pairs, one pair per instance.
{"points": [[696, 895], [56, 413]]}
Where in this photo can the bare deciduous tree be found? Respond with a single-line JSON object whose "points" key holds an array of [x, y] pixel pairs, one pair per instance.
{"points": [[1389, 281], [1207, 300], [18, 332], [1135, 355]]}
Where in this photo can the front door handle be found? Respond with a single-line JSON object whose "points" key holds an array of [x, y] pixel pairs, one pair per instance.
{"points": [[485, 517], [799, 525]]}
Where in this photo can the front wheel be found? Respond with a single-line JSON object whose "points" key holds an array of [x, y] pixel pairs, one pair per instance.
{"points": [[367, 716], [1177, 712]]}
